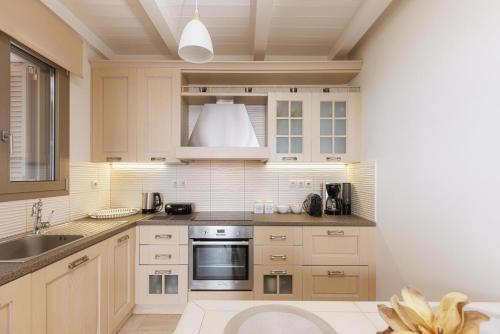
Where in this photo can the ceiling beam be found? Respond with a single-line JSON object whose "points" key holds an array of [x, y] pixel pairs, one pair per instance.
{"points": [[81, 28], [362, 20], [262, 11], [162, 23]]}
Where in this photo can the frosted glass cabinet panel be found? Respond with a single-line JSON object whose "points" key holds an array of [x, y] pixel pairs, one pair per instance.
{"points": [[289, 117], [336, 127]]}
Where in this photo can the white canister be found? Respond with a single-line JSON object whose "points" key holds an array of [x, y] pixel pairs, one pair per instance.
{"points": [[269, 207], [258, 207]]}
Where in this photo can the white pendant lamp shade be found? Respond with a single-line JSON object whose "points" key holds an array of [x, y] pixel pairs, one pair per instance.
{"points": [[195, 45]]}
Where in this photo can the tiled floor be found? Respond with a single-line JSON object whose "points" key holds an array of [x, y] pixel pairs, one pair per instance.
{"points": [[150, 324]]}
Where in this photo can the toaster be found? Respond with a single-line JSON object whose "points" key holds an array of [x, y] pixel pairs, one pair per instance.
{"points": [[178, 208]]}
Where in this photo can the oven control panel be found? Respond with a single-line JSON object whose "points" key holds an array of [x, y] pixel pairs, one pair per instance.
{"points": [[220, 232]]}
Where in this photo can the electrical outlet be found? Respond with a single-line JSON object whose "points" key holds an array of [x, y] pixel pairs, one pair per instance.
{"points": [[94, 184], [300, 183], [182, 184], [292, 184], [308, 183]]}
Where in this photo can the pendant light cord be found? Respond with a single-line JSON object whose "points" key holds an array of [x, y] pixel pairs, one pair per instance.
{"points": [[196, 15]]}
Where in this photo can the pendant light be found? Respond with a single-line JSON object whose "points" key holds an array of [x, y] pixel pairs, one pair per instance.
{"points": [[195, 45]]}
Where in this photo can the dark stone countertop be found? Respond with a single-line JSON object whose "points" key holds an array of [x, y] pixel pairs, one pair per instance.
{"points": [[10, 271]]}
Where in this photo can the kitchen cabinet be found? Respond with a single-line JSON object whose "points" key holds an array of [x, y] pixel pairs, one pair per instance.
{"points": [[114, 114], [15, 306], [121, 301], [277, 235], [336, 127], [335, 283], [289, 255], [162, 285], [278, 282], [70, 296], [163, 254], [158, 126], [289, 127]]}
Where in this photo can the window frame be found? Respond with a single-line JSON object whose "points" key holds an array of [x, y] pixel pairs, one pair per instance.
{"points": [[19, 190]]}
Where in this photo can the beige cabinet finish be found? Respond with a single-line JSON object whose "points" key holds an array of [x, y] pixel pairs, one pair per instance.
{"points": [[336, 127], [70, 296], [283, 255], [158, 124], [335, 283], [337, 245], [114, 114], [289, 126], [121, 301], [163, 235], [163, 254], [15, 306], [278, 282], [277, 235], [162, 284]]}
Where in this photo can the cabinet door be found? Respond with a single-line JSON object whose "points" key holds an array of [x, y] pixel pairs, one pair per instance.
{"points": [[278, 282], [289, 127], [336, 127], [114, 114], [158, 116], [70, 296], [161, 285], [15, 306], [336, 283], [121, 250]]}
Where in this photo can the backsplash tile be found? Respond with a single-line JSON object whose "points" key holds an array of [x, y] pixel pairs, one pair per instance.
{"points": [[363, 177]]}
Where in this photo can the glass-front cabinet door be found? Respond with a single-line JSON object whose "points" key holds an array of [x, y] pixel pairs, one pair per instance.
{"points": [[289, 126], [278, 282], [336, 127], [162, 285]]}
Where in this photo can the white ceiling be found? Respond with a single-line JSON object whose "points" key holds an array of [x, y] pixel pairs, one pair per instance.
{"points": [[240, 29]]}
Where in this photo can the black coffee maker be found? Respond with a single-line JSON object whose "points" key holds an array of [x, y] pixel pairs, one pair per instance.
{"points": [[337, 198]]}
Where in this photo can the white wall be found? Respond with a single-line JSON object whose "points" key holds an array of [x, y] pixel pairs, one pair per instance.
{"points": [[430, 82]]}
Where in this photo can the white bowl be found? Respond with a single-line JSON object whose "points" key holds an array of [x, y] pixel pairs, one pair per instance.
{"points": [[296, 208], [283, 208]]}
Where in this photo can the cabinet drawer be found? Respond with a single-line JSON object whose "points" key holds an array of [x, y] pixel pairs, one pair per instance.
{"points": [[277, 235], [278, 255], [162, 284], [163, 235], [335, 283], [337, 245], [163, 254], [278, 282]]}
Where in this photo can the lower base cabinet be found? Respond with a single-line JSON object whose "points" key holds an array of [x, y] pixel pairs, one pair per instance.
{"points": [[278, 282], [15, 306], [162, 284], [70, 296], [345, 283]]}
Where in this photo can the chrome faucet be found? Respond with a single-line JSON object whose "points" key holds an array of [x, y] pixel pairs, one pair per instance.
{"points": [[36, 211]]}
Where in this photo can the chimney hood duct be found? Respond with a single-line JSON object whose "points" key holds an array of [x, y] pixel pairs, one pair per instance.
{"points": [[223, 125]]}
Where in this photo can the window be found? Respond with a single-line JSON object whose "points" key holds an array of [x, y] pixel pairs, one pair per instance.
{"points": [[34, 115]]}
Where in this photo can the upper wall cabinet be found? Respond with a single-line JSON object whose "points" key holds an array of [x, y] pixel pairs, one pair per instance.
{"points": [[135, 112], [336, 127], [114, 114], [289, 127]]}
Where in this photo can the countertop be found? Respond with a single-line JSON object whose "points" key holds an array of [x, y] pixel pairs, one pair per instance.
{"points": [[95, 231], [211, 316]]}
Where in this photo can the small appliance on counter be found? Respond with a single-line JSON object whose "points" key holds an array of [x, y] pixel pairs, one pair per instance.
{"points": [[151, 202], [178, 208], [337, 198], [312, 205]]}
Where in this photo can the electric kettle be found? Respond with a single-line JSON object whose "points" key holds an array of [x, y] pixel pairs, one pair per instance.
{"points": [[151, 202]]}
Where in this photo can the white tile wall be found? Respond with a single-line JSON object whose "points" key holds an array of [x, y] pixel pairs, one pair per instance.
{"points": [[15, 216], [363, 177]]}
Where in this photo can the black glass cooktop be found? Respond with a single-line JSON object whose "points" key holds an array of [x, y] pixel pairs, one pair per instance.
{"points": [[222, 216]]}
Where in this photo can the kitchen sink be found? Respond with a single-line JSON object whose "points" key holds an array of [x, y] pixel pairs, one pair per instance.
{"points": [[27, 247]]}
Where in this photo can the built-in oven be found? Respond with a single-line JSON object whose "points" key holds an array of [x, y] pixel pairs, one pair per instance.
{"points": [[221, 258]]}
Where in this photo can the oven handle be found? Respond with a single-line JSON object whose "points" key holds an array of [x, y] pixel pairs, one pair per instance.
{"points": [[220, 243]]}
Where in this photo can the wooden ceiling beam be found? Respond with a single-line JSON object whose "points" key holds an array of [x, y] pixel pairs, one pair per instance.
{"points": [[262, 11], [362, 20], [162, 22]]}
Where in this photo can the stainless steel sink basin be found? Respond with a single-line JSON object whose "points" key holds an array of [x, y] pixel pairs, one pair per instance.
{"points": [[27, 247]]}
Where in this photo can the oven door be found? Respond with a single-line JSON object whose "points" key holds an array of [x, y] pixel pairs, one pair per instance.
{"points": [[221, 264]]}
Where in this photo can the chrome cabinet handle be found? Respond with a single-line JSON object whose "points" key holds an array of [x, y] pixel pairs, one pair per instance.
{"points": [[278, 257], [335, 232], [112, 159], [122, 239], [163, 272], [336, 273], [279, 272], [163, 256], [6, 136], [78, 262], [333, 158], [289, 158], [158, 159], [163, 236], [277, 237]]}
